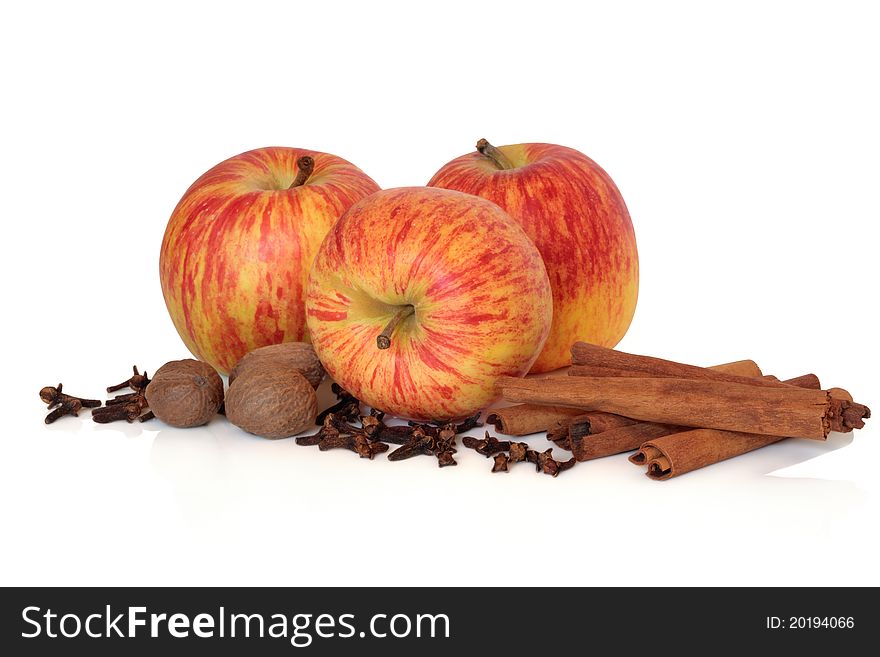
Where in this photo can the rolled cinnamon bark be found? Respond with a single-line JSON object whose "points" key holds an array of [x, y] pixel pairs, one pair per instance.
{"points": [[683, 452], [523, 419], [628, 438], [621, 440], [616, 441], [587, 357], [678, 453], [586, 424], [747, 408], [738, 367]]}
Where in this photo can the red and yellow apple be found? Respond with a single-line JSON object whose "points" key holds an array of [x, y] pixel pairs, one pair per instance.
{"points": [[236, 254], [575, 215], [420, 298]]}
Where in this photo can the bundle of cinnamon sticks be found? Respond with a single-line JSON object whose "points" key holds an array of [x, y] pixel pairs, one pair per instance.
{"points": [[676, 417]]}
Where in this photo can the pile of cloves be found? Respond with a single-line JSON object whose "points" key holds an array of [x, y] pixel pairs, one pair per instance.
{"points": [[342, 426], [489, 446], [339, 429], [128, 406]]}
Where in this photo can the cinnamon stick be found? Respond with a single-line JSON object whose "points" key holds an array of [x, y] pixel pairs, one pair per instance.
{"points": [[780, 410], [739, 367], [523, 419], [628, 438], [679, 453], [616, 441], [623, 436], [676, 454], [586, 358], [585, 424]]}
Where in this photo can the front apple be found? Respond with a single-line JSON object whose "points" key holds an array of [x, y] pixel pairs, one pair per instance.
{"points": [[419, 299], [576, 217], [238, 247]]}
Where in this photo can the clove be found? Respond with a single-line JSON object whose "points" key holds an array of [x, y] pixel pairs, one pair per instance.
{"points": [[348, 407], [543, 461], [128, 411], [444, 446], [372, 424], [64, 404], [465, 425], [327, 430], [486, 446], [397, 435], [548, 465], [336, 433], [500, 464], [472, 422], [420, 443], [365, 448], [136, 382], [519, 452], [121, 399]]}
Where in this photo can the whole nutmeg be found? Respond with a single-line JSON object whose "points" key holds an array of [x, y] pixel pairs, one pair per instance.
{"points": [[299, 356], [185, 393], [274, 401]]}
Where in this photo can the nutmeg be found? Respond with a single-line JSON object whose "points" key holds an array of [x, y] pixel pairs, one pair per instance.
{"points": [[299, 356], [272, 401], [185, 393]]}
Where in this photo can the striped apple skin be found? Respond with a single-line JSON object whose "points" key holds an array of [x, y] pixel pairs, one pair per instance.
{"points": [[483, 305], [576, 216], [237, 250]]}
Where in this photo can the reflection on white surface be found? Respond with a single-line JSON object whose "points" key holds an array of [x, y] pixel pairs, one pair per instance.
{"points": [[276, 496], [151, 504]]}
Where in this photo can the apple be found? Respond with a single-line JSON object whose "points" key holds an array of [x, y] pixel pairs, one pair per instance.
{"points": [[420, 298], [575, 215], [236, 254]]}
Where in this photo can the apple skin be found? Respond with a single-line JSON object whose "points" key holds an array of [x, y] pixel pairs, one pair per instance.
{"points": [[575, 215], [238, 248], [482, 300]]}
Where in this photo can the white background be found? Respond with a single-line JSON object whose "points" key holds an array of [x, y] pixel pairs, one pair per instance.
{"points": [[744, 139]]}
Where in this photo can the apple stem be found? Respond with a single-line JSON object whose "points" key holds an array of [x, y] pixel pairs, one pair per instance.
{"points": [[383, 340], [306, 165], [499, 158]]}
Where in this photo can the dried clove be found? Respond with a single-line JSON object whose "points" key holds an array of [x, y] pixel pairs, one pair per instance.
{"points": [[66, 404], [128, 411], [327, 430], [54, 396], [122, 399], [465, 425], [486, 446], [129, 406], [548, 465], [336, 433], [519, 452], [398, 435], [420, 443], [72, 407], [136, 382], [500, 464], [335, 441], [427, 440], [446, 458], [372, 425], [444, 446], [544, 461], [365, 448], [347, 408], [472, 422]]}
